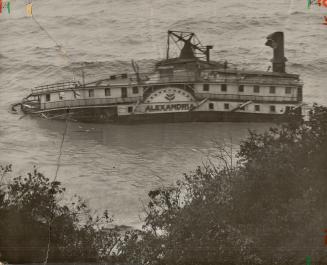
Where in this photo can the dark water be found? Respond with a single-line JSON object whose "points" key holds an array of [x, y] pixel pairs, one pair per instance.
{"points": [[114, 166]]}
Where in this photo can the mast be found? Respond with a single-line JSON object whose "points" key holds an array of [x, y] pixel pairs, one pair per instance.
{"points": [[168, 43]]}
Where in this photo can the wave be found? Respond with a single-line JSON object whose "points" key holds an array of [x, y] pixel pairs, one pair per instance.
{"points": [[132, 39], [314, 66], [112, 67], [298, 13]]}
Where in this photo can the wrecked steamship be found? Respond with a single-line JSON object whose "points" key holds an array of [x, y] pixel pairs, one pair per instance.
{"points": [[190, 87]]}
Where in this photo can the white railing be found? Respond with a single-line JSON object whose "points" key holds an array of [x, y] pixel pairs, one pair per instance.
{"points": [[55, 87], [243, 79], [246, 97], [176, 77], [87, 102], [192, 76]]}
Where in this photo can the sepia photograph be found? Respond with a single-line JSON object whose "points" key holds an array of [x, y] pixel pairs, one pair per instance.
{"points": [[161, 132]]}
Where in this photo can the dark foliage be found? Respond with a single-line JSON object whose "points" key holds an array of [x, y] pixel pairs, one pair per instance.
{"points": [[269, 209], [37, 225]]}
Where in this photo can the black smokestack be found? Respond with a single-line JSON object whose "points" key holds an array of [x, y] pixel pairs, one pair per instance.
{"points": [[276, 41]]}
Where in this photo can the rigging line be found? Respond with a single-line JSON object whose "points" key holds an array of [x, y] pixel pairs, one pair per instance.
{"points": [[60, 48], [54, 179], [48, 245], [48, 34], [61, 145]]}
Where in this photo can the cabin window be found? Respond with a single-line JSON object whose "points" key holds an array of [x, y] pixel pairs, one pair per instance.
{"points": [[226, 106], [272, 108], [91, 93], [288, 109], [211, 106], [130, 109], [124, 92], [288, 90], [223, 87], [257, 107], [61, 95], [241, 88], [135, 90], [107, 91], [124, 76], [272, 90], [47, 97], [256, 89], [206, 87], [76, 94]]}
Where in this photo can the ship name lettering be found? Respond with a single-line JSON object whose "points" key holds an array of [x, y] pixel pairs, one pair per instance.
{"points": [[170, 107]]}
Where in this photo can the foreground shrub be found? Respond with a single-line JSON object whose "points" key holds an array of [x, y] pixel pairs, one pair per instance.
{"points": [[36, 225]]}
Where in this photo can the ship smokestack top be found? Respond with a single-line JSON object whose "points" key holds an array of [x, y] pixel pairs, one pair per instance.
{"points": [[276, 41]]}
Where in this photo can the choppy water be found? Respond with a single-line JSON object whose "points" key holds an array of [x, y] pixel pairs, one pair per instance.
{"points": [[111, 165]]}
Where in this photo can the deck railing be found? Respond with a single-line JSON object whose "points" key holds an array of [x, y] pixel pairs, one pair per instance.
{"points": [[183, 77], [176, 77], [88, 102], [55, 87], [247, 97]]}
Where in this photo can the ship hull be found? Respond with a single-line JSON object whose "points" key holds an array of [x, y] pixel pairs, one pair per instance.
{"points": [[109, 115], [207, 116]]}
